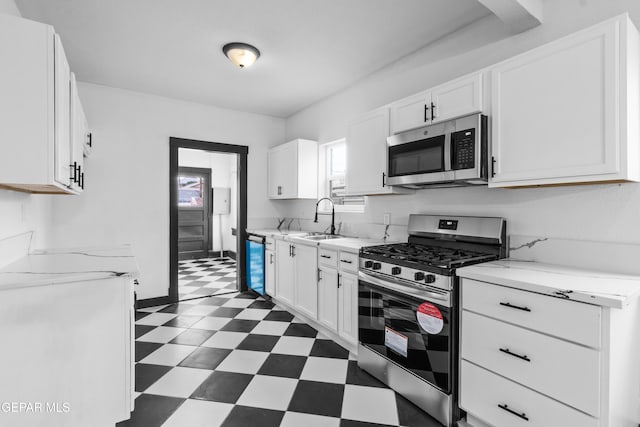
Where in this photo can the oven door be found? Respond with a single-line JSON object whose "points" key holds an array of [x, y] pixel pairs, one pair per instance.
{"points": [[408, 326]]}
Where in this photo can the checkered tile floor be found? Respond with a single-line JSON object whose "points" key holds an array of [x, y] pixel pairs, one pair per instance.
{"points": [[206, 276], [238, 360]]}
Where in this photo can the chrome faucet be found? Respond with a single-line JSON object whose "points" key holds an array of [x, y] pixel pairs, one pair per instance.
{"points": [[333, 214]]}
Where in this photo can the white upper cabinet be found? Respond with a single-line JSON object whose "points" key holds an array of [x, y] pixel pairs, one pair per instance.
{"points": [[79, 138], [567, 112], [367, 154], [35, 107], [453, 99], [293, 170]]}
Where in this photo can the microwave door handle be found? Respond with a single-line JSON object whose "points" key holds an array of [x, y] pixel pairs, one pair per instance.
{"points": [[447, 151]]}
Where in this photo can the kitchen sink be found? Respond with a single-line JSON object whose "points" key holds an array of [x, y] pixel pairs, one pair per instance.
{"points": [[321, 236]]}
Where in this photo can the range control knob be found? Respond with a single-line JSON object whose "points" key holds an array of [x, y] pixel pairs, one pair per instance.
{"points": [[368, 264], [395, 271], [419, 275], [430, 278], [377, 266]]}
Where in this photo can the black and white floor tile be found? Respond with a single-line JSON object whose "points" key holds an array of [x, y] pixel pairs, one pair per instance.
{"points": [[238, 360], [206, 276]]}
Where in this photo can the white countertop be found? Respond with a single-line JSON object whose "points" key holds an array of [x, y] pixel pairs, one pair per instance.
{"points": [[593, 287], [272, 232], [68, 265], [350, 243]]}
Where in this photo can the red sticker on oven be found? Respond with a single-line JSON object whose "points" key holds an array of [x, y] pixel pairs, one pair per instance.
{"points": [[430, 318]]}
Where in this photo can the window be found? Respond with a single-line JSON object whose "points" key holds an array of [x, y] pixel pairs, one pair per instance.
{"points": [[333, 164], [190, 191]]}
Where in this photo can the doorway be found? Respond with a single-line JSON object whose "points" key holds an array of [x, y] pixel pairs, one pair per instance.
{"points": [[208, 202]]}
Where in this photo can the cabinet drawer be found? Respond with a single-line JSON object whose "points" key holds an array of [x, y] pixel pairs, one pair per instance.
{"points": [[328, 258], [573, 321], [481, 393], [348, 262], [269, 243], [549, 365]]}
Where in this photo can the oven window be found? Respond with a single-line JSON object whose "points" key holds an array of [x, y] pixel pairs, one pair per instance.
{"points": [[389, 325], [426, 155]]}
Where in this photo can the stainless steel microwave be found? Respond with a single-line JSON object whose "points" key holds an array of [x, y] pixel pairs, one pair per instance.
{"points": [[447, 154]]}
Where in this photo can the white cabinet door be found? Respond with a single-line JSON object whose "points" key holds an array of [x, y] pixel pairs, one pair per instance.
{"points": [[328, 298], [367, 154], [348, 307], [270, 272], [283, 171], [285, 272], [78, 138], [457, 98], [561, 112], [293, 170], [306, 279], [62, 109], [411, 112]]}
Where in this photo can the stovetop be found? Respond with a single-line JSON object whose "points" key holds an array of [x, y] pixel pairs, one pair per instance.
{"points": [[438, 259]]}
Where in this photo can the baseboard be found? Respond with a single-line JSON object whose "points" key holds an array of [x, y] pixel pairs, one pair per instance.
{"points": [[152, 302], [216, 254]]}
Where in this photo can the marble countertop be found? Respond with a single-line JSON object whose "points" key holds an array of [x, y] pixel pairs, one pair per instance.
{"points": [[352, 244], [593, 287], [68, 265]]}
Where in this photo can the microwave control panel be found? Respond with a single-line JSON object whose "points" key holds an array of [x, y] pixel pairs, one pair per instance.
{"points": [[463, 149]]}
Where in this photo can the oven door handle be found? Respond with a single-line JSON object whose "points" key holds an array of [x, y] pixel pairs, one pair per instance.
{"points": [[397, 286]]}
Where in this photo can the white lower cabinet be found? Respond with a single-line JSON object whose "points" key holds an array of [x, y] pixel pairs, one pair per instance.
{"points": [[328, 297], [270, 268], [285, 272], [69, 348], [348, 307], [305, 259], [528, 359]]}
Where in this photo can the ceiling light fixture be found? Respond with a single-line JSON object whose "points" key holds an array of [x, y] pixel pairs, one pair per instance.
{"points": [[241, 54]]}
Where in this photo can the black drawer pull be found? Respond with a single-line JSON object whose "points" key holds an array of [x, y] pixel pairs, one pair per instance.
{"points": [[325, 256], [510, 353], [346, 261], [511, 411], [517, 307]]}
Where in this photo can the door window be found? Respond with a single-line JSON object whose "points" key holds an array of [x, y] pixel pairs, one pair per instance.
{"points": [[190, 191]]}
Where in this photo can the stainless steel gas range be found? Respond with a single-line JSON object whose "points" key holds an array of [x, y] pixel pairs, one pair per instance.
{"points": [[408, 306]]}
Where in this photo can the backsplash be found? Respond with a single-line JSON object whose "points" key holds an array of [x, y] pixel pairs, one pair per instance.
{"points": [[15, 247]]}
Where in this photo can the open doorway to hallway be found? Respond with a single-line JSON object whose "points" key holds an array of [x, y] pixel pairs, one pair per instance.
{"points": [[207, 218]]}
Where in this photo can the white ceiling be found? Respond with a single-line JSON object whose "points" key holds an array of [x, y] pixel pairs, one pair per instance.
{"points": [[310, 48]]}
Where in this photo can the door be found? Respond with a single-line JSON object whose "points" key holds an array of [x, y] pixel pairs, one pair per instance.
{"points": [[348, 307], [328, 298], [194, 213], [306, 279], [367, 154], [62, 110], [458, 98], [285, 272], [554, 125], [411, 112], [270, 272]]}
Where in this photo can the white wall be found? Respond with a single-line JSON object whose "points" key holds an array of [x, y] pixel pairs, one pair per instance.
{"points": [[21, 212], [223, 174], [597, 212], [126, 199]]}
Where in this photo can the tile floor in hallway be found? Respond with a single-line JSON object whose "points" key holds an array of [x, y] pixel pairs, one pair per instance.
{"points": [[238, 360], [206, 276]]}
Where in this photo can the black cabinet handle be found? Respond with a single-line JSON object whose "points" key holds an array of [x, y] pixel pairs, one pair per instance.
{"points": [[346, 261], [90, 140], [517, 307], [74, 168], [493, 166], [293, 250], [339, 280], [290, 250], [510, 353], [426, 110], [433, 111], [325, 256], [383, 177], [511, 411], [82, 180]]}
